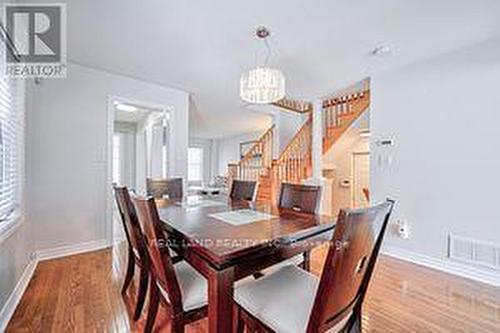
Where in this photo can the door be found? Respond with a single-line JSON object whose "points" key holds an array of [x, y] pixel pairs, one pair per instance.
{"points": [[360, 179]]}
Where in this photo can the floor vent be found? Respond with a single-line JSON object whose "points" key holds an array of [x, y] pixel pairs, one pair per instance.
{"points": [[474, 251]]}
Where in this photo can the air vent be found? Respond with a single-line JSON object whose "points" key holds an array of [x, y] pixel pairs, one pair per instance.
{"points": [[474, 251]]}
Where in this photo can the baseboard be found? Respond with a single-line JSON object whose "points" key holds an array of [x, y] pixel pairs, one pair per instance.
{"points": [[15, 297], [484, 275], [69, 250]]}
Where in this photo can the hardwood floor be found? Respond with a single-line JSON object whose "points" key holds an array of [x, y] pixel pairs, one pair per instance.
{"points": [[82, 294]]}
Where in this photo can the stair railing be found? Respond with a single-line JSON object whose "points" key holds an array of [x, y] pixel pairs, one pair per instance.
{"points": [[257, 160], [339, 113], [294, 163]]}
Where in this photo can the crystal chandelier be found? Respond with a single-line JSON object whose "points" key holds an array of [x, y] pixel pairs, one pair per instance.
{"points": [[262, 85]]}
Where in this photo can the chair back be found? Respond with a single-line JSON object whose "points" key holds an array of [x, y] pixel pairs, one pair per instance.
{"points": [[162, 268], [243, 190], [157, 188], [349, 265], [366, 193], [301, 198], [130, 223]]}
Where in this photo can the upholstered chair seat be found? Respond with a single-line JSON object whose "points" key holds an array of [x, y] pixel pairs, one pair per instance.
{"points": [[192, 284]]}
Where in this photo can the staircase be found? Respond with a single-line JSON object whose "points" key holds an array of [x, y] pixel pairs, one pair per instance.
{"points": [[294, 165], [257, 162]]}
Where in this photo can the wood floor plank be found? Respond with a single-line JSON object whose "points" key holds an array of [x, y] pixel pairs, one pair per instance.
{"points": [[82, 294]]}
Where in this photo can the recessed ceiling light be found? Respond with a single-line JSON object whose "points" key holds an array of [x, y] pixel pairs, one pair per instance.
{"points": [[125, 107], [381, 51]]}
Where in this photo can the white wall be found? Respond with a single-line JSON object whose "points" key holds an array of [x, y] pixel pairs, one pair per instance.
{"points": [[287, 125], [229, 149], [17, 245], [127, 135], [339, 159], [444, 115], [68, 150]]}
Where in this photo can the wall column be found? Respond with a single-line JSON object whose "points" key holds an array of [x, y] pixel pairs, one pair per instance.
{"points": [[317, 140]]}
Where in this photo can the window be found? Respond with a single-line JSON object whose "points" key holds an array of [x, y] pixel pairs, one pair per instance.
{"points": [[195, 164], [116, 159], [11, 146]]}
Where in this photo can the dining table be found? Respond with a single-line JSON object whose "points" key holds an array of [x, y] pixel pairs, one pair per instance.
{"points": [[226, 241]]}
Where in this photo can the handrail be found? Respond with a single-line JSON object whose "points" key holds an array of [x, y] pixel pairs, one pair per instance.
{"points": [[294, 163], [257, 160], [299, 106], [251, 152], [291, 143]]}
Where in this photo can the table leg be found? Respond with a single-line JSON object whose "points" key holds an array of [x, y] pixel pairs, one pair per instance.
{"points": [[220, 300], [306, 264]]}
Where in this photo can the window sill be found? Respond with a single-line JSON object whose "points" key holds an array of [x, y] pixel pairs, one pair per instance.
{"points": [[9, 226]]}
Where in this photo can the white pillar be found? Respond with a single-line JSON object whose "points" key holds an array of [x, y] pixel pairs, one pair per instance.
{"points": [[317, 161], [317, 140]]}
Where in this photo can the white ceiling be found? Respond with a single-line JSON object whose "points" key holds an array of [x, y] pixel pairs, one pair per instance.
{"points": [[203, 46]]}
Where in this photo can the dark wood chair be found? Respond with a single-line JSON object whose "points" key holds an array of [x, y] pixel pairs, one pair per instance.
{"points": [[158, 188], [136, 247], [334, 301], [243, 190], [366, 193], [304, 199], [179, 287], [300, 198]]}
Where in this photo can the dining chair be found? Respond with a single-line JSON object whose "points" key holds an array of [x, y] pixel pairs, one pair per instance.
{"points": [[303, 199], [243, 190], [366, 193], [292, 300], [158, 188], [300, 198], [179, 287], [136, 247]]}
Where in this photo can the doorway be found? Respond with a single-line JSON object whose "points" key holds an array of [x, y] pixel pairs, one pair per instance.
{"points": [[360, 190], [138, 148]]}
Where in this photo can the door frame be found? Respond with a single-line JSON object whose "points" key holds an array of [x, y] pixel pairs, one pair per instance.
{"points": [[108, 184], [353, 171]]}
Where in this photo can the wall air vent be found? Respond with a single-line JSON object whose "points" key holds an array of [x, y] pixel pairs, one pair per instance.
{"points": [[474, 251]]}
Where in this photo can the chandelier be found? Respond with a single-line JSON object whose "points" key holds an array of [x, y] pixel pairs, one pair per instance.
{"points": [[262, 85]]}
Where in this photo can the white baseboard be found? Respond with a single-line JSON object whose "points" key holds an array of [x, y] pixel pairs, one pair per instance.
{"points": [[484, 275], [69, 250], [10, 306], [15, 297]]}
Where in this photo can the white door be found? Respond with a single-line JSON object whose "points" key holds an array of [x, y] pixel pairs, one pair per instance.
{"points": [[360, 179]]}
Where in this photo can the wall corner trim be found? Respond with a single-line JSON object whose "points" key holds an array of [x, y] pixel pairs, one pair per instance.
{"points": [[69, 250], [476, 273], [15, 297]]}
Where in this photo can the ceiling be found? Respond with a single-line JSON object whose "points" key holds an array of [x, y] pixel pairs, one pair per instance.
{"points": [[203, 46]]}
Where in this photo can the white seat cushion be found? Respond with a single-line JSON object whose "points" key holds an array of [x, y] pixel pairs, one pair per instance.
{"points": [[193, 286], [296, 260], [282, 300]]}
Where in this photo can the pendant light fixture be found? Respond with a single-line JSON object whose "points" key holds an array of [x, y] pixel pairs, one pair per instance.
{"points": [[263, 84]]}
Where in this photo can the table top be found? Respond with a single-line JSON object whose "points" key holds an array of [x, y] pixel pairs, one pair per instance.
{"points": [[220, 242]]}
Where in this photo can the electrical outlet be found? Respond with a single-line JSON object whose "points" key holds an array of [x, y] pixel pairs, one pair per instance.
{"points": [[403, 229]]}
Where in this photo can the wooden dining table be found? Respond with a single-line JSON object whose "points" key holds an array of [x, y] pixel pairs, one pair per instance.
{"points": [[225, 252]]}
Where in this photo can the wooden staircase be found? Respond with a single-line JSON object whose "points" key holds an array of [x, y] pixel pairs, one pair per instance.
{"points": [[294, 165], [256, 163]]}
